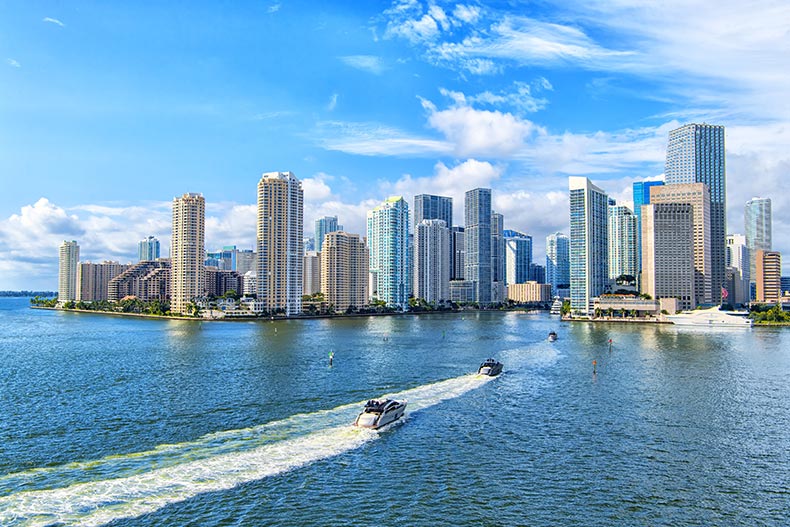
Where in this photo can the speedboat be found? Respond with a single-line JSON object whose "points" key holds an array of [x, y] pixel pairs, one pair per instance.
{"points": [[552, 336], [490, 367], [380, 412]]}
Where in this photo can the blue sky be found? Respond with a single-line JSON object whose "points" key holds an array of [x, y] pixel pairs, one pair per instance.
{"points": [[109, 109]]}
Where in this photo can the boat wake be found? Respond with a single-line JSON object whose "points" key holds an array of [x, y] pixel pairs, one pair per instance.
{"points": [[129, 485]]}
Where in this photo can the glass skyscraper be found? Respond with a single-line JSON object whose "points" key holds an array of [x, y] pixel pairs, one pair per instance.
{"points": [[477, 242], [695, 154], [757, 221], [148, 249], [641, 191], [589, 243], [558, 264], [388, 242], [518, 256], [323, 226], [430, 207], [622, 242]]}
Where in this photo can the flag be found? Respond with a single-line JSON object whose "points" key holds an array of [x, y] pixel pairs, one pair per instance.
{"points": [[724, 293]]}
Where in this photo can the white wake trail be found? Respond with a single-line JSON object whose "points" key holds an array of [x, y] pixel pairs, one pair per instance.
{"points": [[104, 500]]}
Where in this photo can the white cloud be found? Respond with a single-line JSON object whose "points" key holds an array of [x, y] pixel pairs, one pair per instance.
{"points": [[466, 13], [273, 8], [13, 63], [372, 139], [332, 102], [369, 63], [53, 21]]}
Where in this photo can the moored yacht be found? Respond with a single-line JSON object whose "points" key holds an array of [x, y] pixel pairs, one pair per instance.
{"points": [[712, 317], [380, 412], [490, 367]]}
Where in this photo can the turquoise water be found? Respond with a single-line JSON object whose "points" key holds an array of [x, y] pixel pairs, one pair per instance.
{"points": [[154, 422]]}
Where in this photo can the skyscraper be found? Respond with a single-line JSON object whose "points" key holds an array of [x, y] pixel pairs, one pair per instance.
{"points": [[457, 253], [148, 249], [696, 195], [477, 242], [323, 226], [68, 258], [187, 251], [695, 154], [558, 263], [93, 279], [738, 262], [388, 242], [431, 254], [280, 249], [311, 279], [518, 256], [622, 242], [757, 222], [668, 252], [641, 191], [430, 207], [589, 243], [498, 263], [344, 271]]}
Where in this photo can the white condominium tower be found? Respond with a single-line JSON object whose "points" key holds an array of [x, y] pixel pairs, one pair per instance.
{"points": [[431, 254], [558, 264], [388, 241], [69, 257], [589, 243], [280, 248], [622, 242], [695, 154], [477, 241], [187, 251], [344, 271], [757, 221]]}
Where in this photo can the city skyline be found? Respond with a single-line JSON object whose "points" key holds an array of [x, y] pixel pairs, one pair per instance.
{"points": [[99, 131]]}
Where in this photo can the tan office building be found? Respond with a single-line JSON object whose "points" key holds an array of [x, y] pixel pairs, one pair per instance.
{"points": [[529, 292], [344, 270], [187, 251], [280, 249], [768, 268], [93, 279], [668, 252], [697, 195]]}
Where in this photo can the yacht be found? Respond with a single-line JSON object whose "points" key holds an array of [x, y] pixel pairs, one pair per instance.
{"points": [[380, 412], [712, 317], [552, 336], [490, 367]]}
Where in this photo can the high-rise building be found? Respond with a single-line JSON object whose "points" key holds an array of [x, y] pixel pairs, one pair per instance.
{"points": [[187, 251], [344, 271], [784, 281], [93, 279], [246, 261], [68, 258], [537, 273], [457, 253], [757, 222], [224, 259], [280, 250], [768, 267], [323, 226], [697, 196], [388, 242], [738, 264], [589, 243], [146, 280], [477, 242], [431, 254], [498, 262], [622, 242], [518, 256], [695, 154], [148, 249], [222, 281], [668, 252], [430, 207], [641, 191], [311, 281], [529, 292], [558, 262]]}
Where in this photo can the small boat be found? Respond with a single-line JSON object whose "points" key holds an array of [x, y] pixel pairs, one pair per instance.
{"points": [[552, 336], [490, 367], [380, 412]]}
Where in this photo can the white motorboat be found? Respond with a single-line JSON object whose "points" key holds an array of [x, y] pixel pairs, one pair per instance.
{"points": [[380, 412], [712, 317]]}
